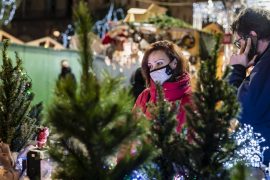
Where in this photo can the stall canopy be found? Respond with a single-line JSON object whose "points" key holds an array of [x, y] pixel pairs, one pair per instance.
{"points": [[46, 42], [4, 35], [141, 15]]}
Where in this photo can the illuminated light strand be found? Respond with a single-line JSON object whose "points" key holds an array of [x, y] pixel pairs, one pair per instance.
{"points": [[250, 152]]}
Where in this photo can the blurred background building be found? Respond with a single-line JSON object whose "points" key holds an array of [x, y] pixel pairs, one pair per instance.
{"points": [[34, 19]]}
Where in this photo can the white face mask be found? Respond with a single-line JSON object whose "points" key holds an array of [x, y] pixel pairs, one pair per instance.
{"points": [[161, 75]]}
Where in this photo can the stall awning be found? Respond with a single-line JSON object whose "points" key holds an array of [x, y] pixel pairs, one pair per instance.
{"points": [[4, 35], [46, 42], [141, 15]]}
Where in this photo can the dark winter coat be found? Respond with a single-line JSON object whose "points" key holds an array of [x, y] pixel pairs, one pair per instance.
{"points": [[173, 91], [66, 72], [254, 96]]}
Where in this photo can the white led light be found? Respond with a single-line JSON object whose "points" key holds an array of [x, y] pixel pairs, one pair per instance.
{"points": [[251, 153]]}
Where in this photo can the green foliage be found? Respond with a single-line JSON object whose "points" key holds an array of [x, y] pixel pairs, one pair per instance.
{"points": [[94, 121], [17, 122], [163, 132], [83, 30], [239, 171], [215, 106], [165, 21]]}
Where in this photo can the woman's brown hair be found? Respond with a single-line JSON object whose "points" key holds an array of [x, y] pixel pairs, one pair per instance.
{"points": [[170, 49]]}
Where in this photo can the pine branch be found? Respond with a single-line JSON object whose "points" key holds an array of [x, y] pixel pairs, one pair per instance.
{"points": [[83, 29], [162, 132]]}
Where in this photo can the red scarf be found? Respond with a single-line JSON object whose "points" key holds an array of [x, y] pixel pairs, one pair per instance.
{"points": [[172, 90]]}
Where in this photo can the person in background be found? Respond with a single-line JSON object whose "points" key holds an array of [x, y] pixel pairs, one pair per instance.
{"points": [[66, 71], [138, 83], [163, 64], [252, 31]]}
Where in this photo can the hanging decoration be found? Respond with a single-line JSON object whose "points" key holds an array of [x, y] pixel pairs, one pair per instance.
{"points": [[66, 35], [8, 8], [26, 86], [103, 26]]}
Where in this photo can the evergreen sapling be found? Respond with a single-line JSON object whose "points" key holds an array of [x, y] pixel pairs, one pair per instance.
{"points": [[211, 143], [94, 121], [18, 122]]}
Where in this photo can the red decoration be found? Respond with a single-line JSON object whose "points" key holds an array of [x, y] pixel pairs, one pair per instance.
{"points": [[42, 137], [227, 38]]}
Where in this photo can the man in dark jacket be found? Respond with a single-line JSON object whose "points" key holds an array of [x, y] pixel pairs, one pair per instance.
{"points": [[66, 71], [252, 31]]}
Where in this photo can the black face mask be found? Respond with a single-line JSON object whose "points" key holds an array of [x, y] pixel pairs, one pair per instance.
{"points": [[168, 69]]}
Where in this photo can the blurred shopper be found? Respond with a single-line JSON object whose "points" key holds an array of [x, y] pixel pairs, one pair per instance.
{"points": [[252, 32], [163, 65], [66, 71]]}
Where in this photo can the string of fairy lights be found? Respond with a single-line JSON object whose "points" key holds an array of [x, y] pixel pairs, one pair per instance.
{"points": [[250, 152]]}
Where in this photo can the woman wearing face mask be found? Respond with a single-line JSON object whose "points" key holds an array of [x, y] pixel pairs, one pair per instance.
{"points": [[163, 65]]}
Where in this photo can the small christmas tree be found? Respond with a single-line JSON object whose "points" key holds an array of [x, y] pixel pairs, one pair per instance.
{"points": [[163, 123], [211, 145], [94, 120], [163, 132], [17, 121]]}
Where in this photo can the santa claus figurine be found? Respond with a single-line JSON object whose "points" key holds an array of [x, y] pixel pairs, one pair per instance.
{"points": [[42, 137]]}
